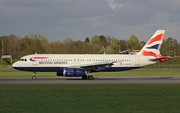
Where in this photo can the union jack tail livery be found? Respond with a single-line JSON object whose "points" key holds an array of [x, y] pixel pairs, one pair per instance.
{"points": [[152, 47]]}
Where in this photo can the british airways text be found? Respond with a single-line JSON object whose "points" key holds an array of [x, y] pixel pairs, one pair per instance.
{"points": [[47, 62]]}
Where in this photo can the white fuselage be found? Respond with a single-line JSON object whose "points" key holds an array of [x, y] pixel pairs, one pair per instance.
{"points": [[56, 62]]}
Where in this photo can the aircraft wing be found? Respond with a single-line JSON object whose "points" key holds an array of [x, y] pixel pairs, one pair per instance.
{"points": [[94, 65]]}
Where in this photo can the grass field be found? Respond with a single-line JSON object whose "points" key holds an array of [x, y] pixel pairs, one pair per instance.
{"points": [[89, 98], [8, 71]]}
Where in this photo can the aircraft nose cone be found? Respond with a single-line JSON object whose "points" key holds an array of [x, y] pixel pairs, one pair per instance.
{"points": [[15, 65]]}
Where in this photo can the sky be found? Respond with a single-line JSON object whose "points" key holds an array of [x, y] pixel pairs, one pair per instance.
{"points": [[78, 19]]}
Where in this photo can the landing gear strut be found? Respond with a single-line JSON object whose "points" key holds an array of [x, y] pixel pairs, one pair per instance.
{"points": [[90, 76], [34, 76]]}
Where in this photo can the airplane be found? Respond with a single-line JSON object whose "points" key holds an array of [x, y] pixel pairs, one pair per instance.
{"points": [[82, 65]]}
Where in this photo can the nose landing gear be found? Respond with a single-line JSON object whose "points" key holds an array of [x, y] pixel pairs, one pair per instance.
{"points": [[34, 76]]}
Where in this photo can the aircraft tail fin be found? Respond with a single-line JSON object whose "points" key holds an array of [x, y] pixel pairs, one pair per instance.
{"points": [[152, 47]]}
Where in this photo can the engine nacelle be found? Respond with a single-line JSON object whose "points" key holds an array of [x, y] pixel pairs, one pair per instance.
{"points": [[71, 72]]}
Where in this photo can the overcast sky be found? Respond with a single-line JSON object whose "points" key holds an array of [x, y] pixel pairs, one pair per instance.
{"points": [[78, 19]]}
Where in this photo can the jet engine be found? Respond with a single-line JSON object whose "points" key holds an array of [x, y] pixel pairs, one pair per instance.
{"points": [[71, 72]]}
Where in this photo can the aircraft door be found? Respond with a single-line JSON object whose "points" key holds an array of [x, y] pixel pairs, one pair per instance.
{"points": [[137, 60]]}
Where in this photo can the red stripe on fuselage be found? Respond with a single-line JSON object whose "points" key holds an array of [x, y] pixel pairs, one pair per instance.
{"points": [[39, 57]]}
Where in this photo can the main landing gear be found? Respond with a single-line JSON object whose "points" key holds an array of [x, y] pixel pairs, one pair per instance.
{"points": [[34, 76], [89, 76]]}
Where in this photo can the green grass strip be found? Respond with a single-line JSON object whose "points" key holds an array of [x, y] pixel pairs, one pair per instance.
{"points": [[137, 72], [90, 98]]}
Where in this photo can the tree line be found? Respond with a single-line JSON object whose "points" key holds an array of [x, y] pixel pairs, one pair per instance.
{"points": [[97, 44]]}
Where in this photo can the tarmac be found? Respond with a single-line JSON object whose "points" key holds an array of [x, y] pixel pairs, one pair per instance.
{"points": [[97, 80]]}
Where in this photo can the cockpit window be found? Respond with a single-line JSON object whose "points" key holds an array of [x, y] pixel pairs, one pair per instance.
{"points": [[23, 59]]}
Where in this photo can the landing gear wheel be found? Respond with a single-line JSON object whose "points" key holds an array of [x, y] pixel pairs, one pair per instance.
{"points": [[33, 77], [90, 77], [84, 77]]}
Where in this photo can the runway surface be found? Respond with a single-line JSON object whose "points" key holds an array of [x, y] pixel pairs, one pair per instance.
{"points": [[97, 80]]}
